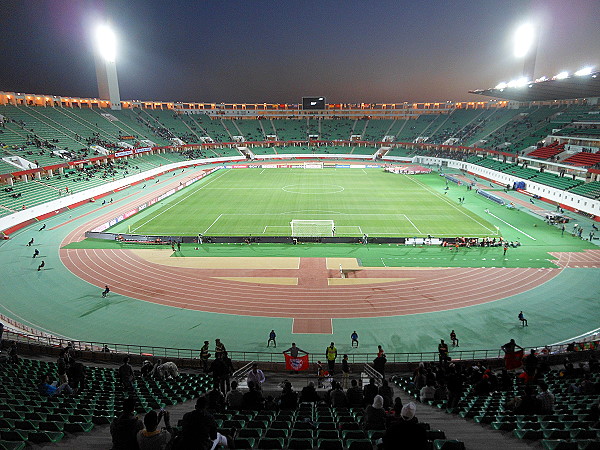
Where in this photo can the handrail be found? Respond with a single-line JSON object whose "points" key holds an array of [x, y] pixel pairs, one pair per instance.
{"points": [[243, 371], [372, 373], [276, 357]]}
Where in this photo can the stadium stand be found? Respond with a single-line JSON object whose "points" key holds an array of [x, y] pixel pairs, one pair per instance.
{"points": [[548, 151], [590, 190], [583, 159]]}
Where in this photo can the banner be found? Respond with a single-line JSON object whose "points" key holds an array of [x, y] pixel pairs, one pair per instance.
{"points": [[297, 364], [513, 360]]}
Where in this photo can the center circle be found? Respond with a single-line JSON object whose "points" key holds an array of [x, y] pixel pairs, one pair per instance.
{"points": [[313, 190]]}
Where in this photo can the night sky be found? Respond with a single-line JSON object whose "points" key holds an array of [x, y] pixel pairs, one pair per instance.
{"points": [[278, 51]]}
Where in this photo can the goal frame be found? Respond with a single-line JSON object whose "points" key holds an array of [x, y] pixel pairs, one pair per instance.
{"points": [[312, 228]]}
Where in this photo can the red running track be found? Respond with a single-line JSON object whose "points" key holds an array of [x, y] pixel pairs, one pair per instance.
{"points": [[312, 299]]}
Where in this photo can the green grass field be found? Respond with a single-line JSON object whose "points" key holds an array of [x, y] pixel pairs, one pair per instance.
{"points": [[263, 202]]}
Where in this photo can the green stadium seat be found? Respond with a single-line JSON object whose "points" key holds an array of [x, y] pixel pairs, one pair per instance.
{"points": [[557, 444], [448, 444], [271, 443], [276, 433], [300, 444], [244, 443], [10, 445], [359, 444], [42, 437], [255, 433], [330, 444], [528, 434]]}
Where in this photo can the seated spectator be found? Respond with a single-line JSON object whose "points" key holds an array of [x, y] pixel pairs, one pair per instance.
{"points": [[337, 396], [288, 398], [199, 429], [234, 397], [125, 427], [52, 389], [354, 395], [405, 433], [369, 392], [216, 400], [374, 418], [151, 438], [76, 375], [125, 374], [253, 399], [309, 394], [387, 392], [546, 399], [529, 404], [427, 393]]}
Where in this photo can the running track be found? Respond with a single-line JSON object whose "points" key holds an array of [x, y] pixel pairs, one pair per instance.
{"points": [[312, 303]]}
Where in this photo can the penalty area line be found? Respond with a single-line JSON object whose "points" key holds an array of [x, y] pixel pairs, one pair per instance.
{"points": [[512, 226]]}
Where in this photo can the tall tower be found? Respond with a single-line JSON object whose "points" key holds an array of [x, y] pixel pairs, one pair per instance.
{"points": [[106, 66]]}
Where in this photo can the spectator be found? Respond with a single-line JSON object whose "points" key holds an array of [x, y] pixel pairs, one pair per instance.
{"points": [[288, 398], [199, 429], [12, 353], [219, 348], [76, 375], [309, 394], [345, 372], [146, 370], [150, 438], [405, 433], [234, 397], [427, 393], [126, 376], [387, 392], [253, 399], [531, 363], [52, 389], [62, 366], [337, 397], [546, 399], [256, 376], [528, 403], [379, 364], [219, 371], [369, 392], [354, 395], [125, 427], [374, 418], [216, 399]]}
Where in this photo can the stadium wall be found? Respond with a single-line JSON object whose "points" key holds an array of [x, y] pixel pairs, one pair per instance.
{"points": [[20, 219], [567, 200]]}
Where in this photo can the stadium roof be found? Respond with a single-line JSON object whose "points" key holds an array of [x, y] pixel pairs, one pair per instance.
{"points": [[547, 89]]}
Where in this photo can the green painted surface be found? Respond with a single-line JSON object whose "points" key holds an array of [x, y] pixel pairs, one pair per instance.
{"points": [[55, 300]]}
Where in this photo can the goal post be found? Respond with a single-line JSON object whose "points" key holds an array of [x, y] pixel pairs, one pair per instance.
{"points": [[312, 228]]}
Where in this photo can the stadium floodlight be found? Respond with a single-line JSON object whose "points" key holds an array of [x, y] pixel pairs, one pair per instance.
{"points": [[518, 82], [106, 43], [501, 85], [584, 71], [562, 75], [524, 40]]}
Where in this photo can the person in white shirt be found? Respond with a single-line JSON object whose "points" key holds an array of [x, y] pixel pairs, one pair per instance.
{"points": [[257, 376]]}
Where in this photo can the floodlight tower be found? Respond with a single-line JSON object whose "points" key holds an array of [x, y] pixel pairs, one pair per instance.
{"points": [[526, 46], [106, 67]]}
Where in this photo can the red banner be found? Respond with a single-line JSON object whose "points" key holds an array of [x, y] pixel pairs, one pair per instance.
{"points": [[513, 360], [297, 364]]}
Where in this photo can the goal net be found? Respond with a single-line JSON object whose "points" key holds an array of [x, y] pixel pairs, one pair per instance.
{"points": [[312, 228]]}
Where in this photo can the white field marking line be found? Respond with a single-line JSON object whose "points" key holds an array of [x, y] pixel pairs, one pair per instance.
{"points": [[577, 337], [359, 230], [262, 171], [411, 222], [384, 264], [215, 221], [364, 171], [512, 226], [179, 201], [440, 196], [36, 326]]}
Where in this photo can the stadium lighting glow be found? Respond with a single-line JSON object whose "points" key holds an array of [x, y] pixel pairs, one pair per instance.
{"points": [[541, 79], [584, 71], [501, 85], [106, 43], [524, 39], [519, 82], [562, 75]]}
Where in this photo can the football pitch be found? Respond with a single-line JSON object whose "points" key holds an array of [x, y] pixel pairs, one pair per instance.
{"points": [[263, 202]]}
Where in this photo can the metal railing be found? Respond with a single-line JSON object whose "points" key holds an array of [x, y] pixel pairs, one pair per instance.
{"points": [[252, 356]]}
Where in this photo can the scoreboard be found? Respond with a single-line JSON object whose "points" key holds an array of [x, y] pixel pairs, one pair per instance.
{"points": [[313, 103]]}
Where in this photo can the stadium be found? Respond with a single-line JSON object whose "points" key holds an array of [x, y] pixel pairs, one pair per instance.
{"points": [[144, 228]]}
